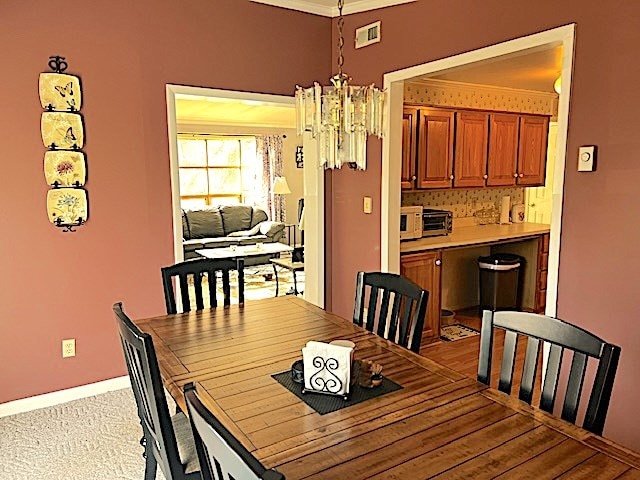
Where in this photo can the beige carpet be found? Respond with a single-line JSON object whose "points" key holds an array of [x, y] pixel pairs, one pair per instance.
{"points": [[94, 438]]}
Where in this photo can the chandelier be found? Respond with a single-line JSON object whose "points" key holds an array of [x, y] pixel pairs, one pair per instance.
{"points": [[340, 116]]}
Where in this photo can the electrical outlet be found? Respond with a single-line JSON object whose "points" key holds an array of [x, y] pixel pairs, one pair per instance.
{"points": [[69, 348]]}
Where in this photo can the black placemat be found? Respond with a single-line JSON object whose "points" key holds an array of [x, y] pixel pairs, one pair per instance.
{"points": [[323, 404]]}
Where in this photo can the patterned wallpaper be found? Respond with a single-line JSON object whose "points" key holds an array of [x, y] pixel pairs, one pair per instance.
{"points": [[463, 95], [463, 202]]}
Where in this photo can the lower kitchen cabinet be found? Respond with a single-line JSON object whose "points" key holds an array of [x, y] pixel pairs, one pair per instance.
{"points": [[424, 269]]}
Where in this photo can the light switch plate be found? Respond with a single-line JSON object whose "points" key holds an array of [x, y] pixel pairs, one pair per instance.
{"points": [[367, 206], [587, 158]]}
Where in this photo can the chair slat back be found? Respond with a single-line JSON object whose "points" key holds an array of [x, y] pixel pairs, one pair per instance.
{"points": [[561, 335], [221, 455], [196, 270], [406, 319], [146, 384]]}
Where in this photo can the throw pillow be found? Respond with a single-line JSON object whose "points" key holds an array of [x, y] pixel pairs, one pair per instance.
{"points": [[245, 233]]}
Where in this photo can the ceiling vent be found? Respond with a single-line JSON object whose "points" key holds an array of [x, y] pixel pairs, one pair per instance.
{"points": [[368, 34]]}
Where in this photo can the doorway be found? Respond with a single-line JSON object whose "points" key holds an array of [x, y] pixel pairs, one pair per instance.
{"points": [[313, 180], [391, 155]]}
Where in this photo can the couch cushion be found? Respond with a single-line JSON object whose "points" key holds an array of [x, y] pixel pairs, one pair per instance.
{"points": [[235, 217], [186, 234], [205, 223], [258, 216], [219, 242]]}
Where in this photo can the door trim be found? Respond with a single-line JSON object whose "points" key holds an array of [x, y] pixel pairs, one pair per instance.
{"points": [[392, 146], [314, 211]]}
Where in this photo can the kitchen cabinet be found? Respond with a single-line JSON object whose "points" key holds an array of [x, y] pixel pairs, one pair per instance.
{"points": [[503, 149], [471, 138], [409, 130], [443, 148], [424, 270], [532, 150], [435, 148]]}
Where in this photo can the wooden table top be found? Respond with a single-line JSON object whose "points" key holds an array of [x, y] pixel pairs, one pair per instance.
{"points": [[440, 425]]}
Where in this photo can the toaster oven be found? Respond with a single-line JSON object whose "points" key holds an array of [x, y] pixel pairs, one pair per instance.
{"points": [[436, 222]]}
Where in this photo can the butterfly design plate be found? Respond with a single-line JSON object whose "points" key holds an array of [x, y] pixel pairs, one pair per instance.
{"points": [[65, 168], [60, 92], [62, 130], [67, 206]]}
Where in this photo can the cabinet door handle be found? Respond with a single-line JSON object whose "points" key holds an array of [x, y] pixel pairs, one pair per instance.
{"points": [[450, 177], [414, 177], [521, 175], [485, 176], [438, 262], [515, 175]]}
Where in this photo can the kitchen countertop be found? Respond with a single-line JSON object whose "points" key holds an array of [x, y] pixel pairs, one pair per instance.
{"points": [[474, 235]]}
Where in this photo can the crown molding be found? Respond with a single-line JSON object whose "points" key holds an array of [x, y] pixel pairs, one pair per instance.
{"points": [[317, 9]]}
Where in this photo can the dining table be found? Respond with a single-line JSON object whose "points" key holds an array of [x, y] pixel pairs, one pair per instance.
{"points": [[437, 424]]}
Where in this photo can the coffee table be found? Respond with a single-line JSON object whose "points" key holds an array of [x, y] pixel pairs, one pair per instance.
{"points": [[243, 251]]}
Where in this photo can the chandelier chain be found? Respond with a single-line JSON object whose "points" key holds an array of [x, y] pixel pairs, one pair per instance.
{"points": [[340, 37]]}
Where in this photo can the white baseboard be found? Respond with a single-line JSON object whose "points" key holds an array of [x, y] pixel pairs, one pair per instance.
{"points": [[62, 396]]}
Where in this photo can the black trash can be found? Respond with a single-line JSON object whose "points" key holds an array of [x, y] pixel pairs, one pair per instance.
{"points": [[499, 281]]}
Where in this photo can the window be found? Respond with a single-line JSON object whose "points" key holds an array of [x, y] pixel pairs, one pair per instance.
{"points": [[218, 171]]}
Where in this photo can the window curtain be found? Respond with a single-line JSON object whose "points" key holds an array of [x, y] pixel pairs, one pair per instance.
{"points": [[270, 151]]}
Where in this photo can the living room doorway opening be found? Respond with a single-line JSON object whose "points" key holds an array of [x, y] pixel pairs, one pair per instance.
{"points": [[240, 151]]}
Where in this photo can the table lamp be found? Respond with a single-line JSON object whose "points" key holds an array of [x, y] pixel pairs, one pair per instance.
{"points": [[280, 186]]}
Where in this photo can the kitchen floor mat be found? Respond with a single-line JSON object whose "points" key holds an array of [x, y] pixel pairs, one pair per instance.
{"points": [[457, 331]]}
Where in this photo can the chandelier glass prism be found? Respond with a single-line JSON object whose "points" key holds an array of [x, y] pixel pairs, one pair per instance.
{"points": [[340, 116]]}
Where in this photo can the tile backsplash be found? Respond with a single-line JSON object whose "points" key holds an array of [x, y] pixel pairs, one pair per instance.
{"points": [[463, 202]]}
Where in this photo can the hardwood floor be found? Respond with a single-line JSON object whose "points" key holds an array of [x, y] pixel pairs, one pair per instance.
{"points": [[462, 355]]}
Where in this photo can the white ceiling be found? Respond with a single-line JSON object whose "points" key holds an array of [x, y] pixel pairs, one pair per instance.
{"points": [[329, 8], [529, 70], [212, 111]]}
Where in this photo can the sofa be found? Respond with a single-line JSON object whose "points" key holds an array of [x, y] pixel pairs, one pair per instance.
{"points": [[228, 225]]}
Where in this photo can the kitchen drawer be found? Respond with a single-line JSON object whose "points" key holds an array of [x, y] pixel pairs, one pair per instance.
{"points": [[543, 261], [541, 300], [545, 244], [542, 280]]}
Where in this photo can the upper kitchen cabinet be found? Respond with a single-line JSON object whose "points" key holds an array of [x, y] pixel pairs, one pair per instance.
{"points": [[472, 133], [503, 149], [532, 150], [409, 120], [435, 148]]}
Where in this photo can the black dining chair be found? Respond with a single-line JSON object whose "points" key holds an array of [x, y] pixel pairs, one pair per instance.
{"points": [[561, 336], [404, 324], [168, 441], [221, 455], [197, 269]]}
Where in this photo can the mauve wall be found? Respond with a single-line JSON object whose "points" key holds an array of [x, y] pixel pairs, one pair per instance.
{"points": [[599, 261], [60, 285]]}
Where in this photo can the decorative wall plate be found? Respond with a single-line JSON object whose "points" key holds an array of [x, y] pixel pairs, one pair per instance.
{"points": [[60, 92], [67, 206], [65, 168], [62, 130]]}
